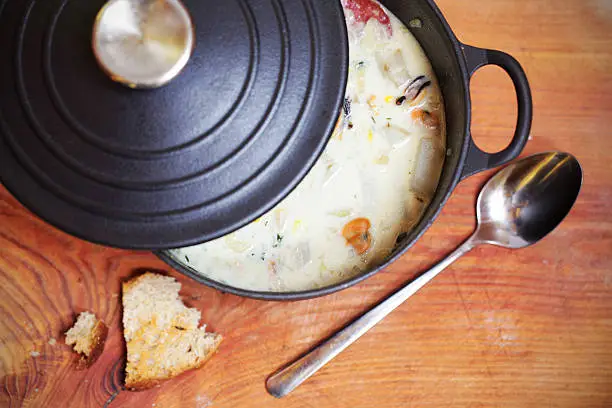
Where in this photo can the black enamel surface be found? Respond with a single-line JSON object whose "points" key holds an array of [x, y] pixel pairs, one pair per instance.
{"points": [[188, 162]]}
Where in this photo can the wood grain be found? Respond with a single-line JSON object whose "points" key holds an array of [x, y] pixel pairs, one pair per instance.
{"points": [[530, 328]]}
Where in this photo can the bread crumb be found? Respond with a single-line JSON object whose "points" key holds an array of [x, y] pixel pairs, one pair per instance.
{"points": [[87, 338], [52, 341], [34, 353]]}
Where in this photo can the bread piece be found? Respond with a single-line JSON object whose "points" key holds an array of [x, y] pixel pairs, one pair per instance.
{"points": [[87, 338], [162, 335]]}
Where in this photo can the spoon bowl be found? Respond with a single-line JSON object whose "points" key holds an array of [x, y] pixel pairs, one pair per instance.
{"points": [[526, 200], [519, 206]]}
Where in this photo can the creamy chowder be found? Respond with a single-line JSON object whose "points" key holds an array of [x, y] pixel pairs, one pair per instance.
{"points": [[371, 184]]}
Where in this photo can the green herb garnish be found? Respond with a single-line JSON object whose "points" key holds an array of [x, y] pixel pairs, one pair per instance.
{"points": [[279, 240]]}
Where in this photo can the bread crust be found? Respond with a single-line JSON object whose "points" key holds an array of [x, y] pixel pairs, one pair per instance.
{"points": [[99, 334], [127, 285], [146, 383]]}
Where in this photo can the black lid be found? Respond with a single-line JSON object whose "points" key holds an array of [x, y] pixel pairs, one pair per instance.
{"points": [[210, 151]]}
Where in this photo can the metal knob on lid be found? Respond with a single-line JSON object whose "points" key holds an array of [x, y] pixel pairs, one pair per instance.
{"points": [[143, 43]]}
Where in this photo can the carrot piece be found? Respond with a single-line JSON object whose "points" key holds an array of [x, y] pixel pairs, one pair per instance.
{"points": [[357, 234], [425, 118]]}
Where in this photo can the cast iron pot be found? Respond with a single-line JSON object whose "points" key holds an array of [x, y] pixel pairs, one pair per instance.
{"points": [[454, 64]]}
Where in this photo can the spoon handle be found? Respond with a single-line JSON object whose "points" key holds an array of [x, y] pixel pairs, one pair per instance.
{"points": [[287, 379]]}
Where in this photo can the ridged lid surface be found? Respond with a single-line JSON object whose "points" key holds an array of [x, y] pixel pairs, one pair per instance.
{"points": [[213, 149]]}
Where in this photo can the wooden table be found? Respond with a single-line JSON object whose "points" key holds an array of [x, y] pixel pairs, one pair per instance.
{"points": [[530, 328]]}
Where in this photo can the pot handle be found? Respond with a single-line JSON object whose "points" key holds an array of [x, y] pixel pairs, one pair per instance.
{"points": [[477, 160]]}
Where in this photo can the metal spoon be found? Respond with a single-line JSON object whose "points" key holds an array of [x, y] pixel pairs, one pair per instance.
{"points": [[518, 207]]}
